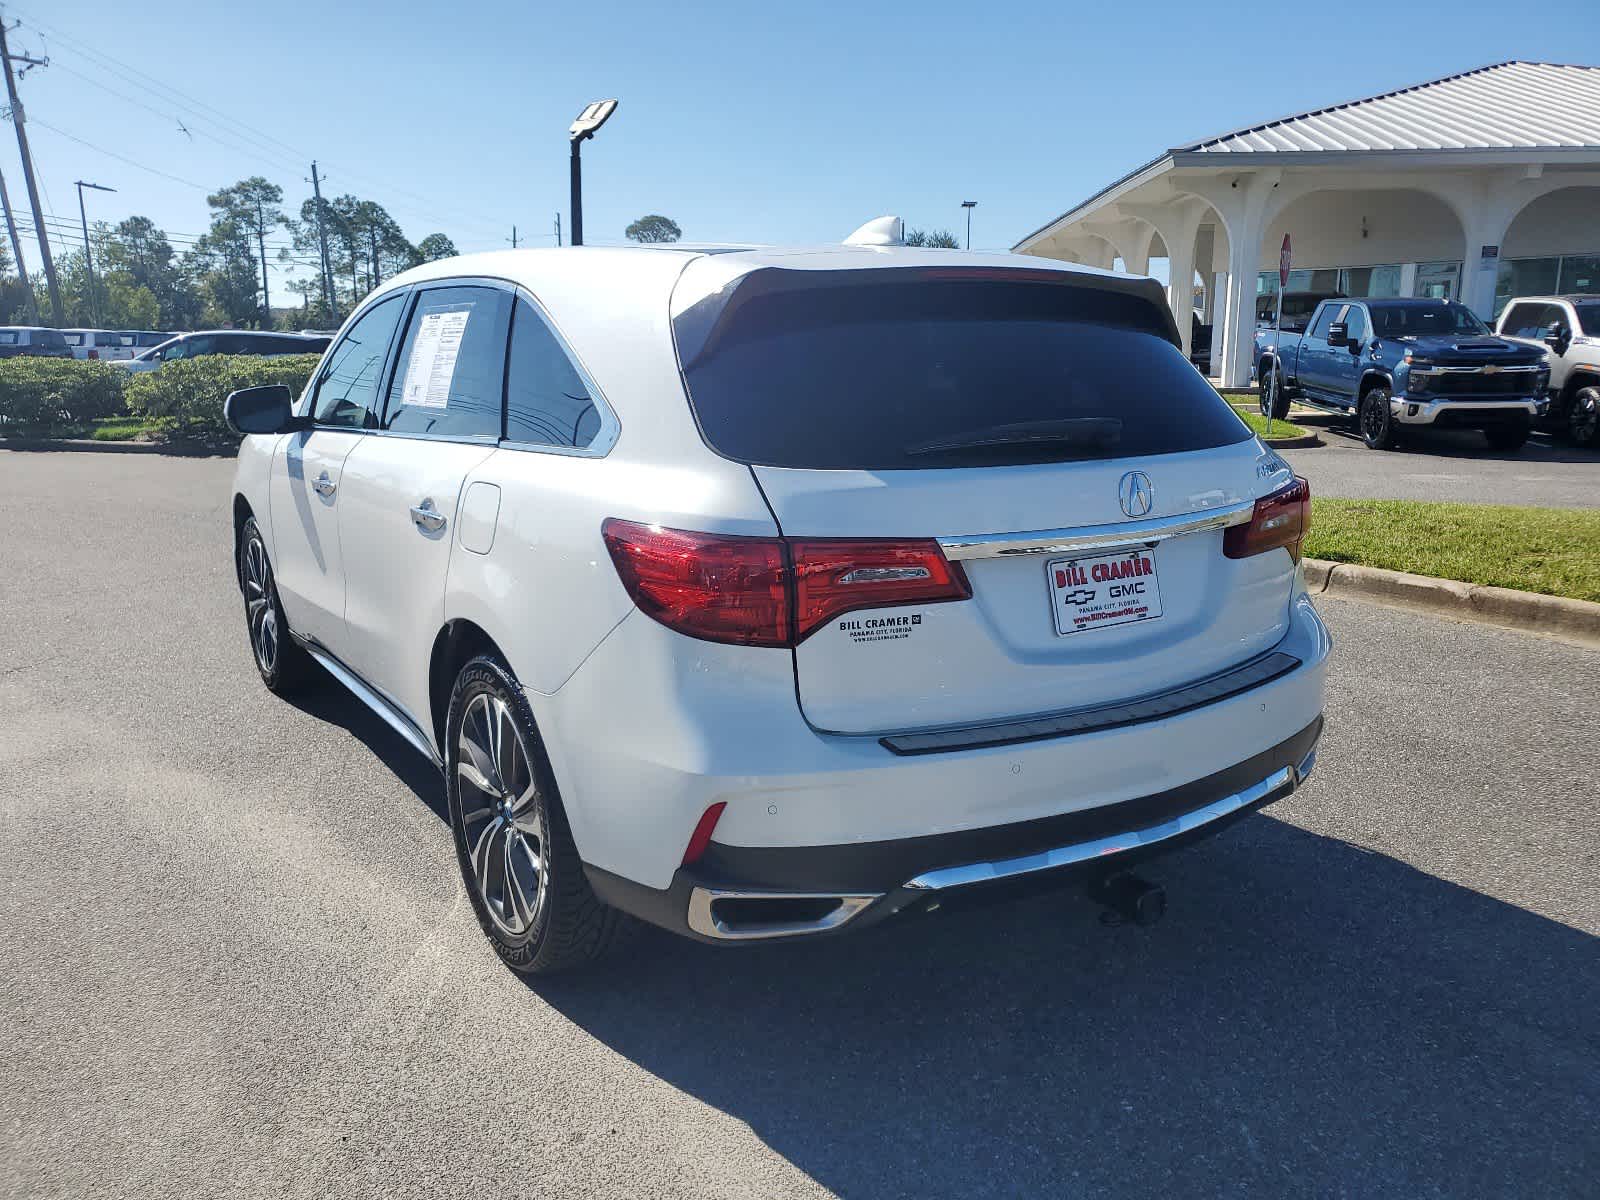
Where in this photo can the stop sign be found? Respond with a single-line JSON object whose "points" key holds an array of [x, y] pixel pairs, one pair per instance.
{"points": [[1283, 263]]}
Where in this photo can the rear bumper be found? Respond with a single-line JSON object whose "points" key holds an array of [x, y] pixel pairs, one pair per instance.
{"points": [[1468, 414], [763, 893]]}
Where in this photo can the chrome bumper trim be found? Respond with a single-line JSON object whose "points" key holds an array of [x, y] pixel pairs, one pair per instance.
{"points": [[1182, 699], [1093, 537], [1117, 843], [705, 922], [1429, 410]]}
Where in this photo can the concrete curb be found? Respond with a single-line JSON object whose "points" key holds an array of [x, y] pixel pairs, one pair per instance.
{"points": [[90, 446], [1294, 443], [1551, 616]]}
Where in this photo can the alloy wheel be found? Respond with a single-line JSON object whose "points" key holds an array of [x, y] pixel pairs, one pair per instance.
{"points": [[1371, 419], [259, 610], [501, 815]]}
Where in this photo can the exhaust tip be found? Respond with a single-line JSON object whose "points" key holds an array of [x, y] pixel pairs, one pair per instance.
{"points": [[748, 916]]}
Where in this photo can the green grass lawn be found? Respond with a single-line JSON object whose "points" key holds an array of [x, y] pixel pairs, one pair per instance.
{"points": [[1258, 424], [1551, 550], [120, 429]]}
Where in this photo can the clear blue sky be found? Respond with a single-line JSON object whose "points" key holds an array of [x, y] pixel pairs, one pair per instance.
{"points": [[743, 121]]}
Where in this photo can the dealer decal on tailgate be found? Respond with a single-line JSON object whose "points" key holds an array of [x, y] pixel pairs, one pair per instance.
{"points": [[1105, 590]]}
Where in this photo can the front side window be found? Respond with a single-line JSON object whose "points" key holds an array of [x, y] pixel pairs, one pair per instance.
{"points": [[450, 373], [1355, 320], [547, 401], [347, 388], [76, 339], [1521, 321], [175, 351], [8, 337]]}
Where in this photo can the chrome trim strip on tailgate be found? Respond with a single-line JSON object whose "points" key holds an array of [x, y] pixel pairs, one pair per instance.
{"points": [[1093, 537], [1116, 843], [1106, 716]]}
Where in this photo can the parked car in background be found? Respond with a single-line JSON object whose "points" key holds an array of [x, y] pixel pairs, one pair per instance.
{"points": [[1569, 327], [103, 344], [18, 341], [1405, 364], [769, 594], [144, 339], [1297, 309], [225, 341]]}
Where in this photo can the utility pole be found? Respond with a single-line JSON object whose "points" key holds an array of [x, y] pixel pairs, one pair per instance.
{"points": [[16, 251], [88, 257], [27, 169], [261, 244], [322, 241], [372, 241], [558, 229]]}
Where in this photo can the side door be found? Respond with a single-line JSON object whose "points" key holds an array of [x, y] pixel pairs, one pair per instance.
{"points": [[1312, 366], [1344, 362], [344, 400], [401, 486]]}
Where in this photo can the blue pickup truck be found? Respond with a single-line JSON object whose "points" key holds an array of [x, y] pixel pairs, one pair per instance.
{"points": [[1395, 365]]}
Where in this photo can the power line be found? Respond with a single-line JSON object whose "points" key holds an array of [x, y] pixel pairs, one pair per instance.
{"points": [[72, 137], [154, 86]]}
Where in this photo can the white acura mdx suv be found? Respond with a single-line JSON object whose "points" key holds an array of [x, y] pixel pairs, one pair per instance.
{"points": [[769, 593]]}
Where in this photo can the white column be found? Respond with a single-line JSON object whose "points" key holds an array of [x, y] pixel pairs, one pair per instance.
{"points": [[1239, 321], [1408, 278]]}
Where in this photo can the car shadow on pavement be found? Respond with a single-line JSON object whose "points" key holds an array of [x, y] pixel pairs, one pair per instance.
{"points": [[1310, 1019], [1449, 443], [337, 706]]}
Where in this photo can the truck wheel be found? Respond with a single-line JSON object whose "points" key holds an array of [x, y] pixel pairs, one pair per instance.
{"points": [[1509, 437], [1269, 383], [1583, 417], [516, 852], [1376, 421]]}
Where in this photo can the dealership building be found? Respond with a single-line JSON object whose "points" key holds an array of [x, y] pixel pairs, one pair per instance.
{"points": [[1476, 187]]}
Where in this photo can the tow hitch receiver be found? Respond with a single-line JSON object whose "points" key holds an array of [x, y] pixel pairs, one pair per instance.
{"points": [[1126, 897]]}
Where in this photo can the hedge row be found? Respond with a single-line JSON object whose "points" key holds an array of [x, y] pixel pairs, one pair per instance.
{"points": [[184, 398], [44, 396], [59, 397]]}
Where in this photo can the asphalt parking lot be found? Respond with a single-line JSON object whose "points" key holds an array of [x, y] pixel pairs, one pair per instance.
{"points": [[1446, 465], [238, 961]]}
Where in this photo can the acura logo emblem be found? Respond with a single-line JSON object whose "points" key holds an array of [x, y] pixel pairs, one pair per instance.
{"points": [[1136, 493]]}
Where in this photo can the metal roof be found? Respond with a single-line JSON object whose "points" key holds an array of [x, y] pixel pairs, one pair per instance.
{"points": [[1507, 106]]}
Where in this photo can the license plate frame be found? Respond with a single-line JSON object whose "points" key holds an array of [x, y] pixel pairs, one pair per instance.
{"points": [[1104, 590]]}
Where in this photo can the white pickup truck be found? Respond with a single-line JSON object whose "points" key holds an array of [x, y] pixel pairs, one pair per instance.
{"points": [[1569, 327]]}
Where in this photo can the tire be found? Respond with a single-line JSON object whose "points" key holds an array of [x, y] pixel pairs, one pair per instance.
{"points": [[513, 844], [284, 667], [1375, 420], [1581, 421], [1509, 437], [1268, 377]]}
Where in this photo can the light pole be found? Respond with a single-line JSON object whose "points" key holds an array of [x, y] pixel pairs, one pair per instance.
{"points": [[88, 258], [586, 126], [969, 205]]}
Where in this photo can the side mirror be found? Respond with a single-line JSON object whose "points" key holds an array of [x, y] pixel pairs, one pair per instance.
{"points": [[1556, 338], [1338, 334], [266, 409]]}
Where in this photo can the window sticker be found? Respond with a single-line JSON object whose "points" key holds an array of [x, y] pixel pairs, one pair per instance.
{"points": [[433, 358]]}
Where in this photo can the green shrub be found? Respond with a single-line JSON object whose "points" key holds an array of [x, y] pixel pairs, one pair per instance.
{"points": [[183, 399], [45, 397]]}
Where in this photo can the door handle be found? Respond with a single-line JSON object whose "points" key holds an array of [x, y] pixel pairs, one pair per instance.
{"points": [[324, 486], [428, 518]]}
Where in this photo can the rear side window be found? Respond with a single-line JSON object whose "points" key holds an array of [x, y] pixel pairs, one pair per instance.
{"points": [[1589, 318], [450, 373], [8, 337], [347, 390], [885, 370], [547, 401], [76, 339]]}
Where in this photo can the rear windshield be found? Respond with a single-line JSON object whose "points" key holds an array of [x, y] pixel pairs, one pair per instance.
{"points": [[883, 370]]}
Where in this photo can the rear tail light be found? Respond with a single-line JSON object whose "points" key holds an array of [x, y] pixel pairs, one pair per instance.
{"points": [[772, 591], [1281, 519]]}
